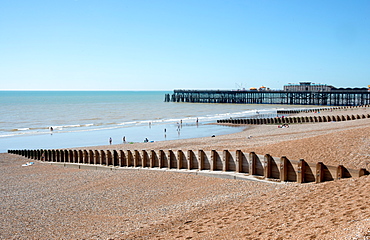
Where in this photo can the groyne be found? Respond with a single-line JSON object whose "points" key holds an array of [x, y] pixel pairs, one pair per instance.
{"points": [[317, 110], [227, 164], [299, 119], [292, 120]]}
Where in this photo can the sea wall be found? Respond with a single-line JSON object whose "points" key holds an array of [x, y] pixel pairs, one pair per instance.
{"points": [[226, 162]]}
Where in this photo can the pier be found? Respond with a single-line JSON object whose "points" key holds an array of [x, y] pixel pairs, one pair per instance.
{"points": [[295, 95]]}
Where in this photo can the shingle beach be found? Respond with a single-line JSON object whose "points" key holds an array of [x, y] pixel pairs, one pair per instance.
{"points": [[45, 201]]}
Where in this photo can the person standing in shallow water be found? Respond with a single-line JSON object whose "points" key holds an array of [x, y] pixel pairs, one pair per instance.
{"points": [[110, 141]]}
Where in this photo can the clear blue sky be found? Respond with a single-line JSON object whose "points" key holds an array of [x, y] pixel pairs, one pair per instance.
{"points": [[192, 44]]}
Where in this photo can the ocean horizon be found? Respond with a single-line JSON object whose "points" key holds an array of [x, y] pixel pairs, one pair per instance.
{"points": [[66, 119]]}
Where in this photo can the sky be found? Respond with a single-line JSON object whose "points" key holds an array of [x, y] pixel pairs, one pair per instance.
{"points": [[187, 44]]}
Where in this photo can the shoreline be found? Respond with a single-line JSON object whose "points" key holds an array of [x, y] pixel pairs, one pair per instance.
{"points": [[309, 141], [45, 201], [54, 140], [90, 132]]}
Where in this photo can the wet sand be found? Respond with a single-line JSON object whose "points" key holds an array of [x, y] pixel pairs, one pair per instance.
{"points": [[51, 202]]}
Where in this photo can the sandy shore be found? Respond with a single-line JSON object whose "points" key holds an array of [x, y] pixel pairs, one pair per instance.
{"points": [[50, 202]]}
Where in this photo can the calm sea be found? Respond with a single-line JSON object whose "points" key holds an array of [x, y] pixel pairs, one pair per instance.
{"points": [[88, 118]]}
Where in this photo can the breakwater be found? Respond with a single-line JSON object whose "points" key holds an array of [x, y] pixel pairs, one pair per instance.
{"points": [[317, 110], [290, 120], [338, 97], [227, 164], [299, 119]]}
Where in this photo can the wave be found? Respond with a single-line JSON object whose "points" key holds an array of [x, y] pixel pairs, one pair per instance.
{"points": [[72, 126], [186, 119], [19, 133], [22, 129]]}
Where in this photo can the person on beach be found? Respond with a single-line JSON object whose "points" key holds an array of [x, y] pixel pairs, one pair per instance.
{"points": [[124, 139], [110, 141]]}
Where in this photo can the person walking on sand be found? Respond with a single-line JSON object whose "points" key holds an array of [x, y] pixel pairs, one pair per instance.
{"points": [[110, 141]]}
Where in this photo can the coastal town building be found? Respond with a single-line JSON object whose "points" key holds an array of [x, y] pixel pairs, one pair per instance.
{"points": [[307, 87]]}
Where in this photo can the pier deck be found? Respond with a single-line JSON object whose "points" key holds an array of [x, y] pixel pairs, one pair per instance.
{"points": [[325, 98]]}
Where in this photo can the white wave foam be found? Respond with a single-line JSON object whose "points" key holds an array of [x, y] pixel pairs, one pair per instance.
{"points": [[23, 129], [127, 123], [22, 133], [72, 126]]}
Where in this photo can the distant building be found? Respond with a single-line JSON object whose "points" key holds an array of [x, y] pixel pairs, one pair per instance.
{"points": [[307, 87]]}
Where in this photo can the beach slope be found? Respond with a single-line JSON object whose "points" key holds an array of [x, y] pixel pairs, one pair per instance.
{"points": [[44, 201]]}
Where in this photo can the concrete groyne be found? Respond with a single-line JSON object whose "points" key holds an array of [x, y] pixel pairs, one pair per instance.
{"points": [[230, 164]]}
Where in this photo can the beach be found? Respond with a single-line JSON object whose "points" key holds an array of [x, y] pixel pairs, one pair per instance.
{"points": [[45, 201]]}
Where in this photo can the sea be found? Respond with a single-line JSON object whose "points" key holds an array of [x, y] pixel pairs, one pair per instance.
{"points": [[65, 119]]}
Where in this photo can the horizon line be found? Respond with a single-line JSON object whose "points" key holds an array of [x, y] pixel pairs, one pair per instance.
{"points": [[127, 90], [55, 90]]}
